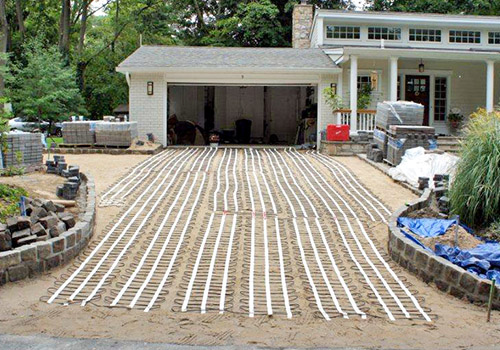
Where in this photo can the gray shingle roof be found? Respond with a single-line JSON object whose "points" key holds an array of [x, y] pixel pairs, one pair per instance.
{"points": [[227, 57]]}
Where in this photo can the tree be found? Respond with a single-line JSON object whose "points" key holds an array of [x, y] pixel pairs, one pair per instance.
{"points": [[254, 24], [44, 89]]}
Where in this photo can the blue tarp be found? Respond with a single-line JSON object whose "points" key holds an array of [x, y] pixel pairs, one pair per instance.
{"points": [[426, 227], [483, 260]]}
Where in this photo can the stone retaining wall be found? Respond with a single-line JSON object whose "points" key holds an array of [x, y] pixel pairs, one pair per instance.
{"points": [[342, 148], [447, 277], [30, 260]]}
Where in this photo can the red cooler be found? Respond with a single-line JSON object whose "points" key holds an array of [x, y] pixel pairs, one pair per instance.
{"points": [[337, 132]]}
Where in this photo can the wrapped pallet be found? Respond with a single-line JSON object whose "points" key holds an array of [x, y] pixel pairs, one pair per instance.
{"points": [[398, 113], [116, 134], [79, 132], [23, 149]]}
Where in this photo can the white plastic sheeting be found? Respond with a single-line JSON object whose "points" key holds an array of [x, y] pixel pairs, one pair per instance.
{"points": [[416, 163]]}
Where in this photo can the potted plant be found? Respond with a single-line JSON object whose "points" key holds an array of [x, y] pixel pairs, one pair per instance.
{"points": [[332, 99], [455, 119]]}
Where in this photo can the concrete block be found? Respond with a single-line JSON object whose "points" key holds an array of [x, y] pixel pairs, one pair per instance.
{"points": [[70, 238], [421, 259], [23, 222], [442, 285], [18, 235], [28, 253], [57, 244], [409, 251], [68, 219], [43, 249], [18, 272], [5, 241], [49, 221], [38, 230], [468, 282], [9, 258], [452, 273], [54, 261], [435, 267], [27, 240], [48, 205]]}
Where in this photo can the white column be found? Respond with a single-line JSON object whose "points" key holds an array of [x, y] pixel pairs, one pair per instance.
{"points": [[490, 85], [393, 78], [354, 94], [165, 117]]}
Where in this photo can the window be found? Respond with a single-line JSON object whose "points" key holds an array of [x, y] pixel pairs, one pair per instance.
{"points": [[424, 35], [364, 81], [465, 37], [440, 99], [494, 38], [342, 32], [377, 33]]}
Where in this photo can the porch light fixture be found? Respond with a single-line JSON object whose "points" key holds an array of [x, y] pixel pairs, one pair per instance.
{"points": [[333, 86], [150, 88], [421, 66]]}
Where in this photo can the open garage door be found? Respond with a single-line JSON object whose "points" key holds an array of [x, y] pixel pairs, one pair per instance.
{"points": [[270, 114]]}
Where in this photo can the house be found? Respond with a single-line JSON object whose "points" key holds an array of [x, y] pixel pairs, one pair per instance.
{"points": [[445, 62]]}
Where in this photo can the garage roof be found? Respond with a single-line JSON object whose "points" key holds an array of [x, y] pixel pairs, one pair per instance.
{"points": [[169, 57]]}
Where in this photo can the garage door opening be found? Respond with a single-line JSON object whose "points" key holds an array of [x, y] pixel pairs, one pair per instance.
{"points": [[277, 115]]}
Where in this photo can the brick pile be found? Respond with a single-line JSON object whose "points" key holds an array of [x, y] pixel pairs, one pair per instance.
{"points": [[44, 219], [27, 145]]}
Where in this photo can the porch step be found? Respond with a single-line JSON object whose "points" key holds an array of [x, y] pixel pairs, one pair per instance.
{"points": [[449, 143]]}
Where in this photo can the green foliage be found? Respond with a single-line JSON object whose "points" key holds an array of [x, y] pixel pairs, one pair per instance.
{"points": [[364, 97], [43, 89], [253, 24], [475, 192], [9, 199], [332, 99]]}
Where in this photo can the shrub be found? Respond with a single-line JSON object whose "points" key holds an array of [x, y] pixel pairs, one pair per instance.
{"points": [[475, 192], [9, 199]]}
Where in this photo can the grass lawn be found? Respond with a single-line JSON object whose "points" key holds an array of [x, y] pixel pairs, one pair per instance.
{"points": [[56, 140]]}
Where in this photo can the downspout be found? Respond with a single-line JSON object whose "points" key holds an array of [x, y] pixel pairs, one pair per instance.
{"points": [[127, 76]]}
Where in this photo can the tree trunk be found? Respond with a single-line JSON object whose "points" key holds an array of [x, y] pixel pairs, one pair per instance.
{"points": [[117, 17], [4, 41], [81, 65], [20, 19], [64, 27]]}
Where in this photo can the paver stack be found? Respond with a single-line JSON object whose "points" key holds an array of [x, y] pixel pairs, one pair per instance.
{"points": [[399, 128], [100, 133], [23, 150], [79, 133], [116, 134]]}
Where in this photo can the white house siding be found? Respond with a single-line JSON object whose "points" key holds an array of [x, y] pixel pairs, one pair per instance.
{"points": [[148, 111], [325, 113]]}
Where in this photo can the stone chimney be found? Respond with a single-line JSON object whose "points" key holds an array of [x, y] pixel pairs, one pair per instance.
{"points": [[302, 25]]}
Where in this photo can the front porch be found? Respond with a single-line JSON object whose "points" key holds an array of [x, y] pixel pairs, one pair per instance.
{"points": [[443, 81]]}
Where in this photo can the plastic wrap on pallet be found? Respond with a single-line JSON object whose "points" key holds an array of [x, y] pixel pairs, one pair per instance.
{"points": [[417, 163], [399, 113], [116, 134]]}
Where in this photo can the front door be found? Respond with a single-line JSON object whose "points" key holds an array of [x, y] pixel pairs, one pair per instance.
{"points": [[418, 90]]}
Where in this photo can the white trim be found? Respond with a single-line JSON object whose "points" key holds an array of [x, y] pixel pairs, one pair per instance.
{"points": [[243, 79], [165, 116], [490, 86], [367, 17], [228, 70], [437, 72], [353, 87]]}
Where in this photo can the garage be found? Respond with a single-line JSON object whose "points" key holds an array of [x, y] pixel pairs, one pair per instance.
{"points": [[283, 115], [187, 95]]}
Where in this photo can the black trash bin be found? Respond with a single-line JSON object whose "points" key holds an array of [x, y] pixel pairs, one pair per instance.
{"points": [[243, 130]]}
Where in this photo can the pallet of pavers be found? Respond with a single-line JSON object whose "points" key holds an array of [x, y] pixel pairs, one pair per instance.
{"points": [[79, 132], [398, 113], [397, 146], [116, 134], [23, 149]]}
